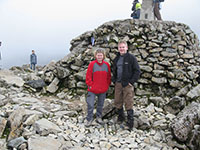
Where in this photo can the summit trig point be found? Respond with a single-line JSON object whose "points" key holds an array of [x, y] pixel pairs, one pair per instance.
{"points": [[150, 10]]}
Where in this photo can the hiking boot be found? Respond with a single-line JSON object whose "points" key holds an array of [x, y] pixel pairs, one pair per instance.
{"points": [[88, 123], [99, 121], [121, 116], [130, 119]]}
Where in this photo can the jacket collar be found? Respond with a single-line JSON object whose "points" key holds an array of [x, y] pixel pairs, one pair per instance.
{"points": [[99, 63], [118, 54]]}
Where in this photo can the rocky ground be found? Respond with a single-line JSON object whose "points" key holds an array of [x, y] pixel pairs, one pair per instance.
{"points": [[34, 121]]}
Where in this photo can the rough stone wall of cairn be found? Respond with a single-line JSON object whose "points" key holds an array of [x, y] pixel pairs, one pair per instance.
{"points": [[167, 52]]}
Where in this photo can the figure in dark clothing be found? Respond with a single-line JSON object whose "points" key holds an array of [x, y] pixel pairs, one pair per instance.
{"points": [[33, 60], [136, 8], [126, 72], [156, 9]]}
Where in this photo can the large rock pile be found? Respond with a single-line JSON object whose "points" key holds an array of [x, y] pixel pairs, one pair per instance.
{"points": [[167, 52]]}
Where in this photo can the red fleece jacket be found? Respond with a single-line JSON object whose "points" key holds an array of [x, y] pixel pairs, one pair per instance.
{"points": [[98, 77]]}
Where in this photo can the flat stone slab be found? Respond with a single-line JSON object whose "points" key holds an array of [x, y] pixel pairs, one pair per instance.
{"points": [[10, 78], [43, 143]]}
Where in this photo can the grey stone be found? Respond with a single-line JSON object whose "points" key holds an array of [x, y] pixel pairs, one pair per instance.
{"points": [[10, 78], [53, 86], [15, 143], [194, 138], [146, 68], [37, 84], [62, 72], [159, 80], [175, 105], [81, 75], [3, 122], [15, 120], [26, 100], [31, 120], [195, 92], [44, 127], [185, 121], [44, 143], [2, 97]]}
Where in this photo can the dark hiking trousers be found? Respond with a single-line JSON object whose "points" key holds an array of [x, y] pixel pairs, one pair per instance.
{"points": [[157, 11], [137, 14], [32, 66], [123, 96]]}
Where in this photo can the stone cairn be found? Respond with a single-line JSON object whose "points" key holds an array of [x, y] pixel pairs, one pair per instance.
{"points": [[167, 52], [166, 102]]}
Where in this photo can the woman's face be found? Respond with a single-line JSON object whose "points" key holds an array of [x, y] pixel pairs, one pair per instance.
{"points": [[99, 57]]}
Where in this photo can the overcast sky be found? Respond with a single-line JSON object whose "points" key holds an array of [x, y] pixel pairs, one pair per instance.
{"points": [[48, 26]]}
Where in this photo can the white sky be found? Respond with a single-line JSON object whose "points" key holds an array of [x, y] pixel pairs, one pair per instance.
{"points": [[48, 26]]}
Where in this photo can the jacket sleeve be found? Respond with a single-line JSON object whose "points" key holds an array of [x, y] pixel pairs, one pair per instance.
{"points": [[89, 75], [136, 71], [133, 7], [114, 75], [109, 75]]}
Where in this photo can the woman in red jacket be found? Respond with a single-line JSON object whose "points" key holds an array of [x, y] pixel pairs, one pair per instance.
{"points": [[98, 79]]}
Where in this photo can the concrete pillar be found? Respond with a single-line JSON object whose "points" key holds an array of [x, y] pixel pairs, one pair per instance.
{"points": [[147, 10]]}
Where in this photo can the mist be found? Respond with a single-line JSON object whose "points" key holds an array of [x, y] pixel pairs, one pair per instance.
{"points": [[48, 26]]}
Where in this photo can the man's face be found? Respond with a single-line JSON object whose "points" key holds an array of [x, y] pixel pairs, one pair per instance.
{"points": [[122, 48], [99, 57]]}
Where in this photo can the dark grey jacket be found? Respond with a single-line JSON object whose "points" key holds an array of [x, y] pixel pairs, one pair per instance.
{"points": [[33, 59], [131, 70]]}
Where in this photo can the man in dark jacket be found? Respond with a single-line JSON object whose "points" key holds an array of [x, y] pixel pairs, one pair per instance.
{"points": [[126, 72]]}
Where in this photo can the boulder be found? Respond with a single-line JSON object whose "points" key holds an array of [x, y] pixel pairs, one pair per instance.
{"points": [[185, 121]]}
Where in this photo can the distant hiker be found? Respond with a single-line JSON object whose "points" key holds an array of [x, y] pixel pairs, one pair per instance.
{"points": [[98, 79], [136, 8], [157, 7], [33, 60], [126, 72]]}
